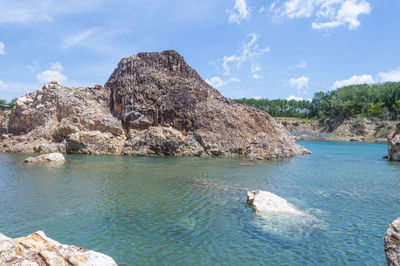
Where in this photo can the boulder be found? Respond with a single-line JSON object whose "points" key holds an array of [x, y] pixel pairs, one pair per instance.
{"points": [[37, 249], [392, 244], [45, 158], [394, 144], [264, 202]]}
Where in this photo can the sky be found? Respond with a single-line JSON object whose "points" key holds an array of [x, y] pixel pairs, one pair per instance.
{"points": [[286, 49]]}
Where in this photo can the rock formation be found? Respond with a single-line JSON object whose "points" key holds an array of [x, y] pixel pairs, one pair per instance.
{"points": [[153, 104], [264, 202], [45, 158], [394, 144], [392, 244], [37, 250]]}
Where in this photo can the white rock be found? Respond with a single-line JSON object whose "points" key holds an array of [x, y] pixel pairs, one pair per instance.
{"points": [[50, 157], [265, 202]]}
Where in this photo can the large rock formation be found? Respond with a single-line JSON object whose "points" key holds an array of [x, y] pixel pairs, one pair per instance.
{"points": [[37, 250], [153, 104], [392, 244], [394, 144]]}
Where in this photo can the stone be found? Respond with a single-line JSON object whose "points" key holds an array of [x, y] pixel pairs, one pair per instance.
{"points": [[392, 244], [264, 202], [45, 158], [394, 144], [153, 104], [37, 250]]}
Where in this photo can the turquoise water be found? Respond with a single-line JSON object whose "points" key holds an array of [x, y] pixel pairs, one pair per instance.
{"points": [[192, 211]]}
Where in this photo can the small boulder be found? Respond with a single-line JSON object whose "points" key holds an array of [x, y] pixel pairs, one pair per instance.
{"points": [[45, 158], [392, 244], [264, 202], [38, 249]]}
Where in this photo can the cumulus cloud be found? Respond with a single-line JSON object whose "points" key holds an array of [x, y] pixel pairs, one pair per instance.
{"points": [[217, 82], [362, 79], [239, 12], [52, 74], [249, 52], [326, 13], [299, 83], [296, 98], [301, 64], [393, 75], [2, 47]]}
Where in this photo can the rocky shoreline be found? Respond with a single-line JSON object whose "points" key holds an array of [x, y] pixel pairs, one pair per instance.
{"points": [[341, 130], [154, 104]]}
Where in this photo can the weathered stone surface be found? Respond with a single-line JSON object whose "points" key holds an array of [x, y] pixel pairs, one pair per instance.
{"points": [[159, 90], [39, 250], [394, 144], [265, 202], [45, 158], [392, 243], [153, 104]]}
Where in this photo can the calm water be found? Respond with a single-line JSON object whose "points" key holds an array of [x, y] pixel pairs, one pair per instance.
{"points": [[192, 211]]}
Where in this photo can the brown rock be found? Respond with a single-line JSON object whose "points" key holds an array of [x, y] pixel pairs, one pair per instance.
{"points": [[392, 244], [394, 144], [37, 249]]}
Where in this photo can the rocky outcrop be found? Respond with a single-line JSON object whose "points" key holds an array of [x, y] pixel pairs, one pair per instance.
{"points": [[37, 250], [350, 129], [153, 104], [264, 202], [392, 244], [394, 144], [46, 158]]}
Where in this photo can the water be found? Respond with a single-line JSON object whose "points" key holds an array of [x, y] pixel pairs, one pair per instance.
{"points": [[192, 211]]}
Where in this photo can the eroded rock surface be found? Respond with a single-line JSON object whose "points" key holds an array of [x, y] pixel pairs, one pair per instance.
{"points": [[394, 144], [39, 250], [392, 243], [264, 202], [46, 158], [153, 104]]}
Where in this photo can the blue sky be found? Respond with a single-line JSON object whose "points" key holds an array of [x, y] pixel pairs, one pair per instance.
{"points": [[244, 48]]}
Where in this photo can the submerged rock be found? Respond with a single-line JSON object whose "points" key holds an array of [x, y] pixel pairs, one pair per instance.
{"points": [[153, 104], [394, 144], [392, 243], [264, 202], [37, 249], [45, 158]]}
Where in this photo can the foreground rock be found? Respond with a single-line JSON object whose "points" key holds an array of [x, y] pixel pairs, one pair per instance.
{"points": [[37, 250], [45, 158], [265, 202], [394, 144], [153, 104], [392, 244]]}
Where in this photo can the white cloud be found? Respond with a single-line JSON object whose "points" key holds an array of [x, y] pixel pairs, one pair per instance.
{"points": [[78, 38], [52, 74], [362, 79], [301, 64], [257, 97], [249, 51], [299, 83], [2, 46], [327, 13], [393, 75], [3, 86], [296, 98], [240, 12], [217, 82]]}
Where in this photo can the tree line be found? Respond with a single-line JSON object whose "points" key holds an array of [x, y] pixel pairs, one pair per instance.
{"points": [[377, 100], [7, 105]]}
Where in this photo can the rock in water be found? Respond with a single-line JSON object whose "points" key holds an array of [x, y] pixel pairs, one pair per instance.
{"points": [[394, 144], [168, 109], [392, 243], [37, 249], [45, 158], [265, 202], [153, 104]]}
